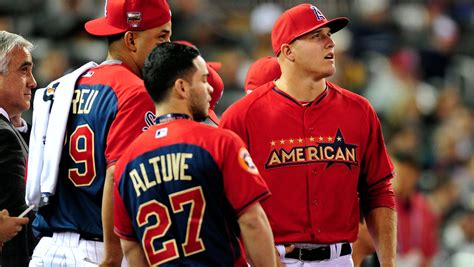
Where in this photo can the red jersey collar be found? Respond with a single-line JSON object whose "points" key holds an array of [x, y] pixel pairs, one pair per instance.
{"points": [[316, 101]]}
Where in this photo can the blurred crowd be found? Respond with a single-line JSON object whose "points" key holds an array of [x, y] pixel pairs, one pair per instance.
{"points": [[413, 59]]}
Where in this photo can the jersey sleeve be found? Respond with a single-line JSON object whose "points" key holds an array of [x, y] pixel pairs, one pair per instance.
{"points": [[130, 121], [233, 120], [243, 185], [377, 169]]}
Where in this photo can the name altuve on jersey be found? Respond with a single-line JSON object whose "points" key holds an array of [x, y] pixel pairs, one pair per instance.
{"points": [[166, 168]]}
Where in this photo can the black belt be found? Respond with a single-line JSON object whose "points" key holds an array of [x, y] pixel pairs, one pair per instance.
{"points": [[317, 254], [83, 236], [91, 237]]}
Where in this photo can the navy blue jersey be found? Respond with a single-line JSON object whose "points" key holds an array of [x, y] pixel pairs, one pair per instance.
{"points": [[109, 109], [180, 194]]}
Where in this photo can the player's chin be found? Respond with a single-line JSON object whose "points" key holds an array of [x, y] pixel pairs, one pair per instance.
{"points": [[330, 71], [26, 105]]}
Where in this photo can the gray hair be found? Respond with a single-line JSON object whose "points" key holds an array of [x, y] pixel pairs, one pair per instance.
{"points": [[8, 42]]}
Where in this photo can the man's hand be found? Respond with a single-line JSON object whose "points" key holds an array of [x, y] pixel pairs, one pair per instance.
{"points": [[10, 226]]}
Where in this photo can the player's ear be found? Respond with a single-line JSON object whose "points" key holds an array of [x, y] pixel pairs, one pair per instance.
{"points": [[129, 40], [287, 52], [181, 87]]}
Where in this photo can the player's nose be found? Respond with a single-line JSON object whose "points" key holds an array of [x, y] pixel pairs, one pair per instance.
{"points": [[31, 83]]}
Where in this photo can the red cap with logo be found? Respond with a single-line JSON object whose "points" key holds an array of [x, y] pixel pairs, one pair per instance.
{"points": [[263, 70], [130, 15], [218, 85], [299, 20]]}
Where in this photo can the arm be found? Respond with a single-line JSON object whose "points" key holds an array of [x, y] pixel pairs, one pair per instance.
{"points": [[112, 251], [377, 199], [12, 170], [382, 225], [133, 253], [363, 246], [257, 236]]}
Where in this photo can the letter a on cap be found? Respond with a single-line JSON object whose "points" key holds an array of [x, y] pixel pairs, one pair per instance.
{"points": [[319, 15]]}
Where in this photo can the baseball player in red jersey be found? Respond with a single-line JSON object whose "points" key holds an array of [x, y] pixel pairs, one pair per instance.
{"points": [[319, 147], [110, 108], [185, 192], [261, 71]]}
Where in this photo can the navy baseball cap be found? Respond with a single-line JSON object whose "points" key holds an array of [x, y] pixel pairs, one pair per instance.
{"points": [[130, 15], [300, 20]]}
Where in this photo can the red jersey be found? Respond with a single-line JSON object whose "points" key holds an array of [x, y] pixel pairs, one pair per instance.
{"points": [[317, 160], [180, 188]]}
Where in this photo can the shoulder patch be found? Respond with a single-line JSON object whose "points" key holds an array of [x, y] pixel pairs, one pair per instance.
{"points": [[246, 161]]}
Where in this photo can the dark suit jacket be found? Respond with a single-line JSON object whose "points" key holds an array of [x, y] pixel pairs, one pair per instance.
{"points": [[26, 136], [13, 155]]}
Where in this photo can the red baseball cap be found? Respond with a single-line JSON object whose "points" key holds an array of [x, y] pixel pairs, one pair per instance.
{"points": [[263, 70], [130, 15], [216, 82], [300, 20]]}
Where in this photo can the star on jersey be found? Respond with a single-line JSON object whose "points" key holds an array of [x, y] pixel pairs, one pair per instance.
{"points": [[339, 145], [325, 149]]}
